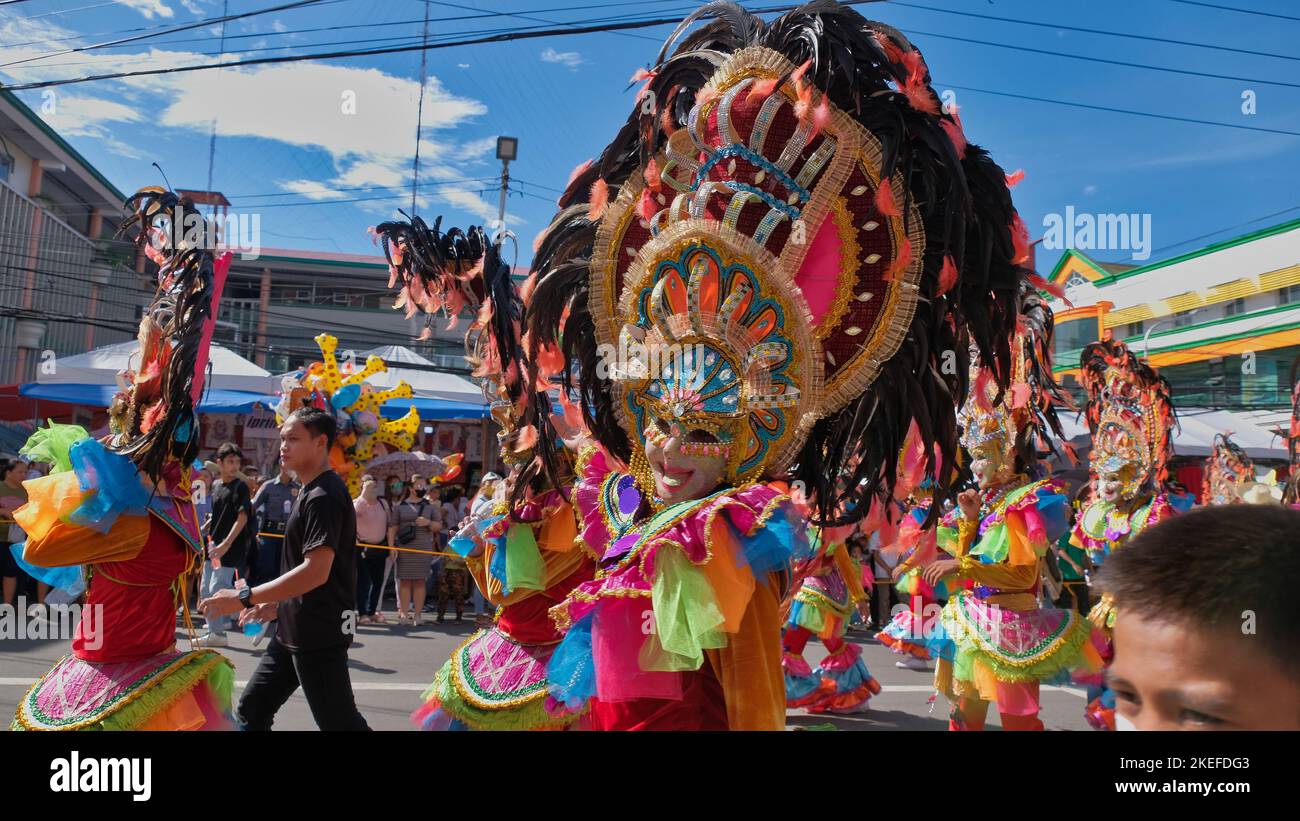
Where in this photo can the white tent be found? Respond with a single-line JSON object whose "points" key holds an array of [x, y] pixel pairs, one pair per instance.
{"points": [[229, 370], [1196, 431], [425, 383]]}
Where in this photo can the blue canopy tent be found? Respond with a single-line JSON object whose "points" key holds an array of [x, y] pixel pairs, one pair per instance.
{"points": [[431, 410], [99, 396]]}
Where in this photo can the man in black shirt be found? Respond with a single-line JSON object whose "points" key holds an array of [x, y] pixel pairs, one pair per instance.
{"points": [[314, 597], [228, 530]]}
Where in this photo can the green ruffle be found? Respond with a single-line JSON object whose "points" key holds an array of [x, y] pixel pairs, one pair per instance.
{"points": [[524, 566], [202, 666], [688, 620], [531, 715], [1068, 655]]}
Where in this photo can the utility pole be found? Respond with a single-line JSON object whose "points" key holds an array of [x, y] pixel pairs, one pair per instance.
{"points": [[507, 150]]}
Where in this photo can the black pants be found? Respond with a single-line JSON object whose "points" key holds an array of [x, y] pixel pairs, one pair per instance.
{"points": [[1074, 596], [370, 580], [323, 675]]}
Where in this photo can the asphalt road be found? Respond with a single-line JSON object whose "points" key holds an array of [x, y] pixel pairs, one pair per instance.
{"points": [[391, 666]]}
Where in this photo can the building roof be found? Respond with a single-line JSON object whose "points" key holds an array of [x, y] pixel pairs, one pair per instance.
{"points": [[43, 142]]}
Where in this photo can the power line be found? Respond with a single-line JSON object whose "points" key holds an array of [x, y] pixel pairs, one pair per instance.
{"points": [[1103, 32], [182, 27], [1113, 110], [1233, 8], [1104, 60], [508, 36]]}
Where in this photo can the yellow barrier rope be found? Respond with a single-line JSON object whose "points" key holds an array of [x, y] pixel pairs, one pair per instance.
{"points": [[383, 547]]}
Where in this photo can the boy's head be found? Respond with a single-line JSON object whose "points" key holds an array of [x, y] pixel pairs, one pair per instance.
{"points": [[305, 440], [1207, 631], [229, 460]]}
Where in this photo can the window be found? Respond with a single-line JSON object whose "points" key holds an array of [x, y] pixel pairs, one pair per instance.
{"points": [[1235, 307], [1134, 329], [6, 166], [1183, 318], [1288, 295]]}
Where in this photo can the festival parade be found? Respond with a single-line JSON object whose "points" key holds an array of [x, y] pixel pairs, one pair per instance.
{"points": [[815, 378]]}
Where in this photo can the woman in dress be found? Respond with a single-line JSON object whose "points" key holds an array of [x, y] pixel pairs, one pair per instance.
{"points": [[412, 524]]}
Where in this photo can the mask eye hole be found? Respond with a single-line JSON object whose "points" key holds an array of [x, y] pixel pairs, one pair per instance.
{"points": [[702, 436]]}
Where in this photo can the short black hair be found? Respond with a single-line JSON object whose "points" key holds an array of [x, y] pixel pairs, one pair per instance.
{"points": [[229, 449], [7, 465], [317, 422], [1210, 566]]}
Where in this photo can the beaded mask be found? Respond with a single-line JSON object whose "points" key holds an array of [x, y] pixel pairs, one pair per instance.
{"points": [[1130, 415], [754, 277]]}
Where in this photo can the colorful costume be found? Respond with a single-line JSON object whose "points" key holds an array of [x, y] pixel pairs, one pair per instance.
{"points": [[1130, 413], [833, 584], [496, 679], [906, 632], [1227, 470], [996, 643], [121, 511], [746, 271]]}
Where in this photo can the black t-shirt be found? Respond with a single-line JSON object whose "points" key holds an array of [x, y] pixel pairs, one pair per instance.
{"points": [[322, 516], [228, 498]]}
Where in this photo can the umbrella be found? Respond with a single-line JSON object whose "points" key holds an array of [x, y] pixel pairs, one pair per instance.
{"points": [[405, 465]]}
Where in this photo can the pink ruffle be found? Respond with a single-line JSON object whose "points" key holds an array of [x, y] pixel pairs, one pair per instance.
{"points": [[844, 659]]}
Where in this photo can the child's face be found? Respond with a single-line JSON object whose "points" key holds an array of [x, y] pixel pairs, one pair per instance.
{"points": [[1173, 676]]}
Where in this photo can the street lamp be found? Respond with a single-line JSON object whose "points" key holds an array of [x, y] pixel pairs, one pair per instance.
{"points": [[507, 150]]}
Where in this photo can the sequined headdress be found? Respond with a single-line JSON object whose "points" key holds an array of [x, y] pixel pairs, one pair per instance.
{"points": [[778, 247], [1130, 414], [1018, 426], [1227, 470]]}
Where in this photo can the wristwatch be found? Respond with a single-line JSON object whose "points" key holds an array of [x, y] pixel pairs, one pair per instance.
{"points": [[246, 597]]}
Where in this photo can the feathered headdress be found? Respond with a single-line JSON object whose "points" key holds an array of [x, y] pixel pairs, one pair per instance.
{"points": [[1021, 423], [1130, 414], [1227, 469], [153, 419], [791, 219]]}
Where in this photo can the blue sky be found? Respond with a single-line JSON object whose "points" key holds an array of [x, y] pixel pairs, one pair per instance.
{"points": [[319, 176]]}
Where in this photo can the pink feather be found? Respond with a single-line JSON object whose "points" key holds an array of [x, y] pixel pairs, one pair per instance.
{"points": [[1014, 178], [762, 89], [642, 74], [578, 171], [885, 199], [651, 174], [526, 438], [919, 95], [526, 290], [598, 201], [947, 276], [646, 206], [900, 263], [956, 134], [1019, 240]]}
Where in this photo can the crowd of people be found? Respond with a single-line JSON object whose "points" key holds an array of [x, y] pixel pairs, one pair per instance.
{"points": [[244, 516]]}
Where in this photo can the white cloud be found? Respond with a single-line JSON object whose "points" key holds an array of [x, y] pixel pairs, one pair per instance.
{"points": [[462, 65], [192, 7], [571, 59], [276, 25], [1090, 189], [300, 105], [312, 190], [148, 7], [80, 116]]}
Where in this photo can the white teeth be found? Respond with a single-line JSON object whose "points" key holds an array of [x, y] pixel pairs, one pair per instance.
{"points": [[670, 482]]}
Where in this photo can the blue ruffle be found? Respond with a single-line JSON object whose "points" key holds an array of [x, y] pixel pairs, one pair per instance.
{"points": [[782, 538], [571, 672], [797, 687], [113, 478], [849, 679], [68, 579], [1055, 510], [938, 643]]}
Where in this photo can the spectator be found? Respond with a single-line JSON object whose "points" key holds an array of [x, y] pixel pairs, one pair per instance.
{"points": [[312, 599], [453, 579], [372, 528], [227, 543], [12, 496], [1206, 629], [272, 505], [412, 524]]}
